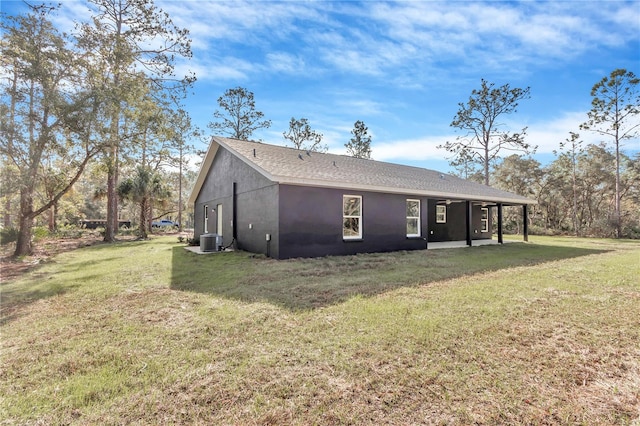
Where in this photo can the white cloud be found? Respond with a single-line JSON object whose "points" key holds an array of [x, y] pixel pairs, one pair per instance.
{"points": [[284, 62], [421, 149]]}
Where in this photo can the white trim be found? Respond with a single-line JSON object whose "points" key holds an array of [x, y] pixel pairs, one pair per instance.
{"points": [[204, 171], [484, 221], [284, 180], [359, 217], [219, 219], [205, 229], [444, 212], [419, 228]]}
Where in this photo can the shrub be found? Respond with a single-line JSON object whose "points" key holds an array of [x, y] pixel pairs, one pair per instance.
{"points": [[69, 231], [8, 235], [40, 232], [193, 241]]}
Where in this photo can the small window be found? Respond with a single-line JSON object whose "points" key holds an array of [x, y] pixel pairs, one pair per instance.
{"points": [[485, 220], [441, 214], [413, 218], [206, 220], [351, 217]]}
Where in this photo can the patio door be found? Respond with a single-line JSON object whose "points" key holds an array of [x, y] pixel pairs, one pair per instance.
{"points": [[219, 221]]}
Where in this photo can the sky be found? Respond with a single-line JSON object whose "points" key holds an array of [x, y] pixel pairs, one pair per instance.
{"points": [[401, 67]]}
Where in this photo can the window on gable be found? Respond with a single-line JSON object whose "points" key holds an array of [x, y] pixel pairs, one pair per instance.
{"points": [[351, 217], [485, 220], [413, 218], [441, 214]]}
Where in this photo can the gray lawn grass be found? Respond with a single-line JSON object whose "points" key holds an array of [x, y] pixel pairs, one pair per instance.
{"points": [[147, 333]]}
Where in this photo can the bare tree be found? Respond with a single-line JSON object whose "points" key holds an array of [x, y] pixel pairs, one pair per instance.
{"points": [[484, 139]]}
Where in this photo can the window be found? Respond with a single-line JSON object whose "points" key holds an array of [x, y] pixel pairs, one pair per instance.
{"points": [[413, 218], [351, 217], [206, 220], [441, 214], [484, 220]]}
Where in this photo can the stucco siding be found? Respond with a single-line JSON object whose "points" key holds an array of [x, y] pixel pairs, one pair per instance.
{"points": [[311, 223], [255, 198]]}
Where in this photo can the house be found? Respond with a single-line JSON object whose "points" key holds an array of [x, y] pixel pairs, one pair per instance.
{"points": [[289, 203]]}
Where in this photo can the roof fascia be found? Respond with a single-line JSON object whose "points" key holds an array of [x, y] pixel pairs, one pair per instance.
{"points": [[247, 161], [204, 170], [208, 161], [284, 180]]}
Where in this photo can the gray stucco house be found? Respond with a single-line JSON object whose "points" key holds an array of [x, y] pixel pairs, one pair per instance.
{"points": [[289, 203]]}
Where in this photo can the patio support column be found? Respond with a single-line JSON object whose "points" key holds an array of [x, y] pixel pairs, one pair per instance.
{"points": [[500, 240], [525, 225], [469, 222], [234, 213], [424, 221]]}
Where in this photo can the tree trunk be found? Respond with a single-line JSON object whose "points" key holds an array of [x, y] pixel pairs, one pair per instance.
{"points": [[486, 161], [180, 193], [143, 219], [7, 213], [25, 227], [52, 220], [617, 213], [111, 225]]}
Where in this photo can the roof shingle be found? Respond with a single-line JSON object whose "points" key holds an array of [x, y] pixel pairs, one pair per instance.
{"points": [[291, 166]]}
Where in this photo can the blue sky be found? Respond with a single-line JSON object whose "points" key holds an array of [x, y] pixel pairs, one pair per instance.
{"points": [[402, 67]]}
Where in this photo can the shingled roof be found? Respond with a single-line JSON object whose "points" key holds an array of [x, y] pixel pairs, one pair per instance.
{"points": [[291, 166]]}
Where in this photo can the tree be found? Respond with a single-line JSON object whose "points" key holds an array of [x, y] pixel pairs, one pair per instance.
{"points": [[522, 176], [484, 140], [49, 116], [239, 118], [616, 101], [572, 148], [141, 189], [122, 40], [300, 132], [359, 145], [465, 167], [182, 129]]}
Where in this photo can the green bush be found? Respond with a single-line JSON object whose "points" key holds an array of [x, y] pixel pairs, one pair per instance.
{"points": [[40, 232], [125, 230], [69, 231], [8, 235]]}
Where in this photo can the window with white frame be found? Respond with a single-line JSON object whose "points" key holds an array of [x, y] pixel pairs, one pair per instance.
{"points": [[206, 220], [413, 218], [441, 214], [484, 220], [351, 217]]}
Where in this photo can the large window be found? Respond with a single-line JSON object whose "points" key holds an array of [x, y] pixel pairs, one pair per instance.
{"points": [[413, 218], [485, 220], [351, 217], [441, 214]]}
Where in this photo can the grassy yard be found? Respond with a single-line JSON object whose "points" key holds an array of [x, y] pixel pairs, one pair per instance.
{"points": [[147, 333]]}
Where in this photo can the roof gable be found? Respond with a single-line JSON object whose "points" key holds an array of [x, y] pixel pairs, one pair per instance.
{"points": [[291, 166]]}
